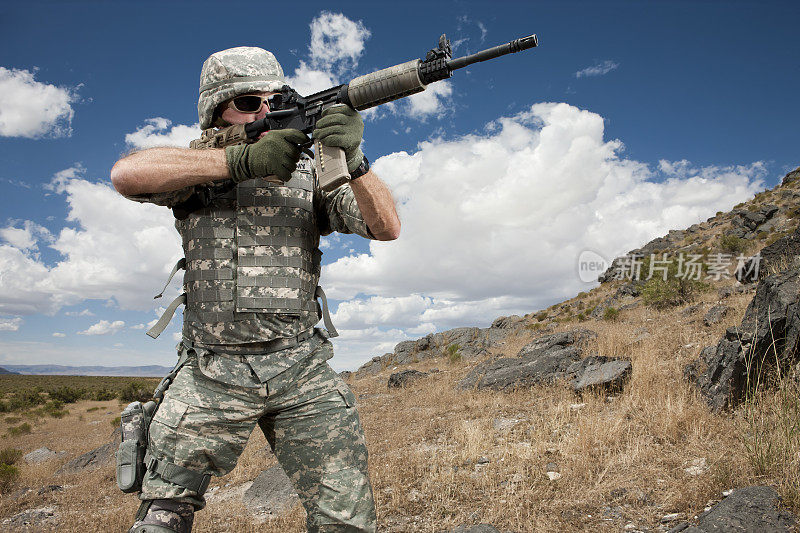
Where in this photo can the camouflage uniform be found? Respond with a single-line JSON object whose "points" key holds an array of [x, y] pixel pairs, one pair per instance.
{"points": [[235, 375]]}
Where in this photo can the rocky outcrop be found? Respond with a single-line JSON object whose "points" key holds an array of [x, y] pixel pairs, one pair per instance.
{"points": [[782, 254], [544, 360], [598, 372], [747, 509], [470, 343], [745, 223], [404, 377], [770, 331]]}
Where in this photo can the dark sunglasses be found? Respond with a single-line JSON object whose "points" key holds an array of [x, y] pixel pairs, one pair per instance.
{"points": [[247, 103]]}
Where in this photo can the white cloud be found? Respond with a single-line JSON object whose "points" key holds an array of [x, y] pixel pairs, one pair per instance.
{"points": [[598, 69], [159, 131], [430, 102], [51, 116], [104, 327], [85, 312], [25, 238], [335, 48], [10, 323], [336, 41], [115, 249], [59, 335], [493, 224]]}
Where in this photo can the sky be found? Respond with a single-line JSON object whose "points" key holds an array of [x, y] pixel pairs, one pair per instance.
{"points": [[629, 119]]}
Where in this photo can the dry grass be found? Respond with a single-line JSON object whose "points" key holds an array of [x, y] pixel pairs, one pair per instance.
{"points": [[621, 458]]}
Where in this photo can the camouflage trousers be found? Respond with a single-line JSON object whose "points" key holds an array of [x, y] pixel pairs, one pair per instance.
{"points": [[307, 413]]}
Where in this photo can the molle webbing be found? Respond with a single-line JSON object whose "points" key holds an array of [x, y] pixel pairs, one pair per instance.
{"points": [[179, 475]]}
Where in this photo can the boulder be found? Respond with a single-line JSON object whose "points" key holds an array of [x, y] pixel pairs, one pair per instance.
{"points": [[543, 360], [716, 314], [97, 458], [508, 322], [39, 455], [39, 519], [748, 509], [270, 494], [770, 329], [598, 372], [404, 377]]}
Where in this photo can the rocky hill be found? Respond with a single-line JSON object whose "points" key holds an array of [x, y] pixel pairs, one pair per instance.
{"points": [[667, 404]]}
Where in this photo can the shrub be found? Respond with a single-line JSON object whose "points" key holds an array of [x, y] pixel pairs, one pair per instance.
{"points": [[541, 315], [67, 394], [135, 391], [8, 476], [92, 409], [733, 244], [103, 395], [22, 429], [12, 419], [611, 313], [660, 293], [9, 456], [116, 422], [453, 353]]}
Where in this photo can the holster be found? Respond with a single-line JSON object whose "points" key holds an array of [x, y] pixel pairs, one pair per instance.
{"points": [[135, 422]]}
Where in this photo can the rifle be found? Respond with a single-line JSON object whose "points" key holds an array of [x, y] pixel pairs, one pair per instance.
{"points": [[291, 110]]}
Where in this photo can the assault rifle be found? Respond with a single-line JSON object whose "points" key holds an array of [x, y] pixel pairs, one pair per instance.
{"points": [[291, 110]]}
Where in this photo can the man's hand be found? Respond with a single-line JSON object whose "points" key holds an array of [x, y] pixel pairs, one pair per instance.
{"points": [[275, 154], [343, 127]]}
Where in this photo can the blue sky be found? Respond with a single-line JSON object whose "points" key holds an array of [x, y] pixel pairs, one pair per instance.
{"points": [[630, 119]]}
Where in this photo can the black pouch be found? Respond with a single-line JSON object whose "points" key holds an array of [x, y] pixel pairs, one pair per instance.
{"points": [[135, 421]]}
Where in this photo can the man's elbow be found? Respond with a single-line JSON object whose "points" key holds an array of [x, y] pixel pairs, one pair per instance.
{"points": [[122, 179], [390, 233]]}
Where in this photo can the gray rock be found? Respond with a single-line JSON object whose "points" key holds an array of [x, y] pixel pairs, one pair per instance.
{"points": [[507, 322], [755, 509], [597, 371], [31, 519], [716, 314], [39, 455], [791, 177], [771, 325], [270, 494], [404, 377], [97, 458], [782, 254], [544, 360], [345, 374]]}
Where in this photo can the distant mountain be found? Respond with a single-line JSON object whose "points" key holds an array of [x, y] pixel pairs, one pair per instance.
{"points": [[5, 371], [60, 370]]}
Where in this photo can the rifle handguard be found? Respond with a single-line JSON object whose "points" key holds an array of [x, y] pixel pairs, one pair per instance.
{"points": [[220, 138]]}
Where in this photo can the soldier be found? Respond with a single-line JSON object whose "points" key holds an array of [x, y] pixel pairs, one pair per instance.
{"points": [[250, 353]]}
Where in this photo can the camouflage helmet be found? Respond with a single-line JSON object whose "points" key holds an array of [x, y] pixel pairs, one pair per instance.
{"points": [[232, 72]]}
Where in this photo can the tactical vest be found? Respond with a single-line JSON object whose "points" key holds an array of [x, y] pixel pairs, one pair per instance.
{"points": [[253, 250]]}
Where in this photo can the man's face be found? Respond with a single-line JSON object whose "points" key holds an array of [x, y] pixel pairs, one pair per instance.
{"points": [[232, 116]]}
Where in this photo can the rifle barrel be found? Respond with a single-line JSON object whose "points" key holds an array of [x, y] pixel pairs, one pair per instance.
{"points": [[516, 45]]}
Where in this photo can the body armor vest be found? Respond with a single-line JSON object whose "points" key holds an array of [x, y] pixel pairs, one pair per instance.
{"points": [[252, 251]]}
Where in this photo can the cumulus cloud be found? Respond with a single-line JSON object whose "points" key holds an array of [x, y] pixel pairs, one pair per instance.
{"points": [[27, 237], [159, 131], [598, 69], [59, 335], [430, 102], [336, 45], [50, 117], [113, 249], [104, 327], [499, 219], [10, 324]]}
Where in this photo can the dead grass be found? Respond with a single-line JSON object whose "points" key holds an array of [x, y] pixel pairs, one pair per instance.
{"points": [[437, 460]]}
